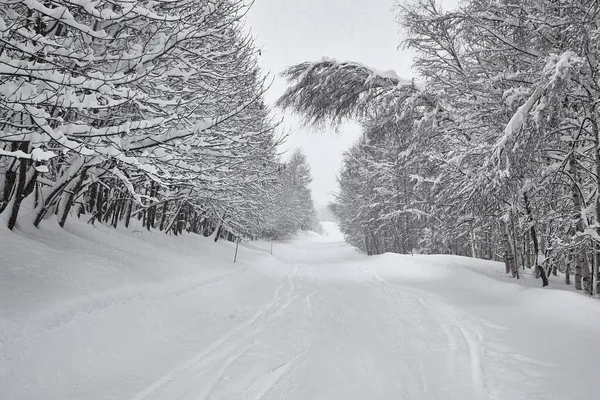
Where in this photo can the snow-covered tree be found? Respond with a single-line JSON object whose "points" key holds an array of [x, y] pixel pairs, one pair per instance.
{"points": [[124, 110], [500, 140], [292, 207]]}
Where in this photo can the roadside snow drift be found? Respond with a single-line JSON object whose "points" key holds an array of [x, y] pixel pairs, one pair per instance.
{"points": [[96, 313]]}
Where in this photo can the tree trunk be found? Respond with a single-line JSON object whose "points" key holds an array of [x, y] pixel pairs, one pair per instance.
{"points": [[580, 257], [171, 227], [152, 209], [10, 179], [515, 266], [20, 194], [30, 187], [597, 273], [568, 268], [596, 254], [515, 248], [218, 231], [93, 194], [100, 203], [539, 268], [128, 212], [117, 213], [511, 264], [472, 243], [71, 197], [163, 215], [507, 256]]}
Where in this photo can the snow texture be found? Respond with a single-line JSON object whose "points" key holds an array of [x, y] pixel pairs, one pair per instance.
{"points": [[96, 313]]}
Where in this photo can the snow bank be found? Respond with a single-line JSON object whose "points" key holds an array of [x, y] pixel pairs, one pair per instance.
{"points": [[530, 339], [76, 302]]}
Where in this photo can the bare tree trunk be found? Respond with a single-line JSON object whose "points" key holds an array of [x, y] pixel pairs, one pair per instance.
{"points": [[597, 267], [536, 248], [128, 212], [515, 266], [375, 244], [596, 254], [568, 268], [472, 243], [93, 195], [578, 275], [580, 257], [507, 255], [71, 197], [30, 187], [10, 179], [117, 214], [163, 215], [151, 212], [526, 250], [172, 225], [511, 264], [100, 203], [20, 194]]}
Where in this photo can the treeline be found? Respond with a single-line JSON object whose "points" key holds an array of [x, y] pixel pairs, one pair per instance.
{"points": [[496, 155], [130, 110]]}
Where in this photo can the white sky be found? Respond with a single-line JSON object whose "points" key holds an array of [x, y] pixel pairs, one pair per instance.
{"points": [[292, 31]]}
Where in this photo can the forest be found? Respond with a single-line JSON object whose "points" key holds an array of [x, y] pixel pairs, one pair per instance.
{"points": [[492, 152], [145, 112]]}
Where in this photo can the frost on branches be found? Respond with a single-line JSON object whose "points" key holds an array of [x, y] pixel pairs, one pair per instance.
{"points": [[496, 155], [134, 110]]}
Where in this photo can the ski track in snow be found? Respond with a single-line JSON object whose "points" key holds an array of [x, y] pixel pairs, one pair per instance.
{"points": [[316, 320], [229, 348]]}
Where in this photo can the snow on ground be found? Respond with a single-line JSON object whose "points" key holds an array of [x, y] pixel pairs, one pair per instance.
{"points": [[94, 313]]}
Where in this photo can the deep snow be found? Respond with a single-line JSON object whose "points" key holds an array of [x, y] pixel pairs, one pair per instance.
{"points": [[94, 313]]}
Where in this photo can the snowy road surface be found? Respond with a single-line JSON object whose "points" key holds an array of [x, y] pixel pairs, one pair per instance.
{"points": [[317, 320]]}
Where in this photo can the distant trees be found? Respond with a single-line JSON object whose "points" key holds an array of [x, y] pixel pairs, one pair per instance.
{"points": [[117, 111], [292, 208], [496, 156]]}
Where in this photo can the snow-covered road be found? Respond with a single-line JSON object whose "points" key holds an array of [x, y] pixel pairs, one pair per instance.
{"points": [[331, 334], [350, 338], [317, 320]]}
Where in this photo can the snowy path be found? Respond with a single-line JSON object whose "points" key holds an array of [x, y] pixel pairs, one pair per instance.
{"points": [[320, 338], [317, 320]]}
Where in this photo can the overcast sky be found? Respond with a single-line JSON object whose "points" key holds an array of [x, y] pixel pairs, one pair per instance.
{"points": [[292, 31]]}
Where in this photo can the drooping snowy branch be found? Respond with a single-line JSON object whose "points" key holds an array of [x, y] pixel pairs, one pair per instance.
{"points": [[332, 91]]}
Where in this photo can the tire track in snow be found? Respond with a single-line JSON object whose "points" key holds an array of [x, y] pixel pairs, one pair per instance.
{"points": [[264, 383], [477, 373], [215, 380], [454, 330], [227, 344], [420, 374], [448, 320]]}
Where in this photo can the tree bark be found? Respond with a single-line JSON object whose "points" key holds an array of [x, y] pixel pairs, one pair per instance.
{"points": [[217, 232], [511, 264], [536, 248], [151, 212], [568, 268], [10, 179], [71, 197], [596, 254], [20, 194], [128, 212], [507, 255], [163, 215]]}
